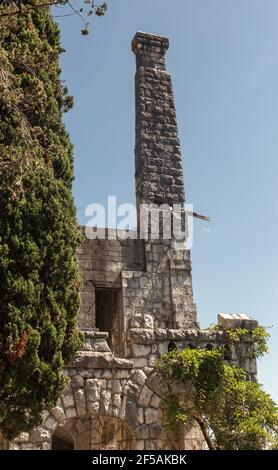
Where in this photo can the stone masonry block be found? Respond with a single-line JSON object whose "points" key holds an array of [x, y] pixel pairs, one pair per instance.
{"points": [[236, 320], [141, 321]]}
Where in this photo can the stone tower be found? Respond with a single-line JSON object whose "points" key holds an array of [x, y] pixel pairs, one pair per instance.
{"points": [[137, 301], [159, 178]]}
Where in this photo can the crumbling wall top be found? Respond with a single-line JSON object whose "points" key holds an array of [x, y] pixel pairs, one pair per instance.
{"points": [[150, 50], [236, 320]]}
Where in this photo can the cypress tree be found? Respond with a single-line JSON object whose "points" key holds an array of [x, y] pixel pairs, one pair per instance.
{"points": [[39, 280]]}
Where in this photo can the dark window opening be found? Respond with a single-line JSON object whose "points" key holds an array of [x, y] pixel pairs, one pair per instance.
{"points": [[62, 440], [227, 353], [172, 346], [109, 317]]}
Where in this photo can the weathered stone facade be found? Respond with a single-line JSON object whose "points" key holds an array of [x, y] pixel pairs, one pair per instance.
{"points": [[137, 302]]}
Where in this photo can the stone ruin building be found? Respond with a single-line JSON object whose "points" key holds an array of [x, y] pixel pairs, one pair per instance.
{"points": [[137, 302]]}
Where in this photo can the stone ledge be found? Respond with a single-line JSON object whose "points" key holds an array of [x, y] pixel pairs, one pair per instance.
{"points": [[99, 360], [147, 336], [108, 234], [95, 333], [95, 341]]}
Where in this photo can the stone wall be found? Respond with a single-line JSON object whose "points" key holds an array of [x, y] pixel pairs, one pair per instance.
{"points": [[164, 291], [122, 400], [101, 263], [148, 343], [118, 403], [153, 278]]}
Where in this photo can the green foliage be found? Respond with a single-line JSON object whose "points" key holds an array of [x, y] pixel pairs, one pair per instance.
{"points": [[233, 412], [39, 288], [176, 413], [241, 414], [192, 364], [82, 9], [259, 335], [213, 328], [236, 334]]}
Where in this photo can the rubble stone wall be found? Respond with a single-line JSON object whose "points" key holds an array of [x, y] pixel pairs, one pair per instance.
{"points": [[101, 262], [121, 400]]}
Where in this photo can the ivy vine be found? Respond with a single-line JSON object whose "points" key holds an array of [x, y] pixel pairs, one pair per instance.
{"points": [[259, 336], [231, 411]]}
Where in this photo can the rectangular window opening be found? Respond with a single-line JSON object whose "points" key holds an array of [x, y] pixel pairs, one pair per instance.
{"points": [[109, 317]]}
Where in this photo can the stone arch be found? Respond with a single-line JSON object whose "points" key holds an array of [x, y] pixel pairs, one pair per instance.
{"points": [[93, 433], [92, 405], [110, 433], [144, 412], [119, 402]]}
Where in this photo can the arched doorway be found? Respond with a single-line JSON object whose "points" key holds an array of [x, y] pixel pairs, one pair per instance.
{"points": [[62, 440], [96, 432], [109, 433]]}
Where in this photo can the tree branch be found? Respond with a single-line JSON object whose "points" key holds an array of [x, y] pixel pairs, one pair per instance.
{"points": [[203, 428], [77, 13]]}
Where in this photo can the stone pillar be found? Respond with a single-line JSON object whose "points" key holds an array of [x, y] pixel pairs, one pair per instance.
{"points": [[160, 185], [159, 174]]}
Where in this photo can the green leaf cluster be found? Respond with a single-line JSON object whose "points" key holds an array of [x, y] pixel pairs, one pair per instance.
{"points": [[259, 336], [39, 278], [233, 412]]}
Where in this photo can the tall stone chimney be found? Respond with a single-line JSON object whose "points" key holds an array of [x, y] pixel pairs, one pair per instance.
{"points": [[159, 181], [158, 163]]}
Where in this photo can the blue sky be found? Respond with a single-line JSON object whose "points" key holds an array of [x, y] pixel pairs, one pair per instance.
{"points": [[223, 58]]}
